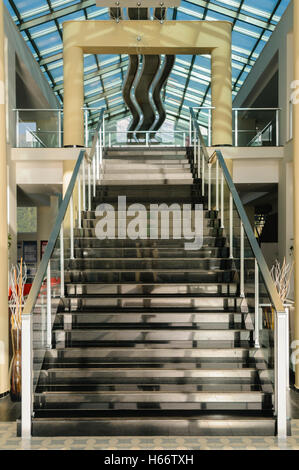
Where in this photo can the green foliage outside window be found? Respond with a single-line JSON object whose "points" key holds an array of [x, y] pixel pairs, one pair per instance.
{"points": [[27, 219]]}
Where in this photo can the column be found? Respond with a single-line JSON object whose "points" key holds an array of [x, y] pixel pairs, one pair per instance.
{"points": [[221, 89], [73, 101], [4, 327]]}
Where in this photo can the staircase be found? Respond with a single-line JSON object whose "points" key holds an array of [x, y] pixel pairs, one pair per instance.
{"points": [[151, 339]]}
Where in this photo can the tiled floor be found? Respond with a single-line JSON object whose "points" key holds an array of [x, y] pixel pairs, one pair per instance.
{"points": [[9, 441], [9, 412]]}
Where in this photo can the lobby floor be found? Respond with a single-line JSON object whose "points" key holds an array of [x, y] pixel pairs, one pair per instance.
{"points": [[9, 441], [9, 412]]}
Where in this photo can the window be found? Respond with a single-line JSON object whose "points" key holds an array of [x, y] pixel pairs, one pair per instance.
{"points": [[27, 219]]}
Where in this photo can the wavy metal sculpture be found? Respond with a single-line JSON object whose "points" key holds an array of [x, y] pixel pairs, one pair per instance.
{"points": [[157, 99], [143, 108], [127, 87], [150, 67]]}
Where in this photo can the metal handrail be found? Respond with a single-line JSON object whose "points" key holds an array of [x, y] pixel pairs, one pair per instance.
{"points": [[263, 267], [261, 132], [35, 137], [272, 291], [42, 269]]}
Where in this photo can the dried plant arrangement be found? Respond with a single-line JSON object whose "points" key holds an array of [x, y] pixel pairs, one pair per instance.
{"points": [[281, 275], [17, 281]]}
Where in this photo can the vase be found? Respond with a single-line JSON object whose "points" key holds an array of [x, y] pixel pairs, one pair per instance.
{"points": [[15, 375]]}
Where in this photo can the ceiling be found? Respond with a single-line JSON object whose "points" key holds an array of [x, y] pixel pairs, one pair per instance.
{"points": [[40, 23]]}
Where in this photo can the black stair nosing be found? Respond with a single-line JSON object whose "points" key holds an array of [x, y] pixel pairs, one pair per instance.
{"points": [[175, 271], [154, 296], [148, 258], [151, 283]]}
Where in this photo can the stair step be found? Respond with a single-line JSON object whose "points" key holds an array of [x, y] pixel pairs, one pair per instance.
{"points": [[149, 301], [138, 170], [93, 242], [152, 354], [159, 233], [149, 179], [202, 320], [106, 375], [153, 426], [219, 400], [150, 253], [156, 223], [75, 386], [119, 275]]}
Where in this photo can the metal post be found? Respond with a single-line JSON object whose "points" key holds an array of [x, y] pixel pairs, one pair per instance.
{"points": [[217, 185], [281, 383], [98, 157], [61, 262], [209, 186], [209, 127], [26, 376], [49, 319], [190, 131], [277, 128], [202, 175], [242, 291], [79, 199], [198, 158], [59, 129], [236, 129], [94, 175], [104, 134], [194, 154], [17, 129], [83, 184], [222, 200], [102, 145], [184, 139], [146, 139], [89, 185], [288, 348], [72, 227], [256, 306], [231, 227], [109, 137], [86, 127]]}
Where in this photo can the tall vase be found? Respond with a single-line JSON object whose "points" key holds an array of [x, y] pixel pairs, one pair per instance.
{"points": [[15, 376]]}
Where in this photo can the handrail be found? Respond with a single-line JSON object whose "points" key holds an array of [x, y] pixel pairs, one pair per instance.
{"points": [[261, 132], [35, 137], [42, 268], [272, 291]]}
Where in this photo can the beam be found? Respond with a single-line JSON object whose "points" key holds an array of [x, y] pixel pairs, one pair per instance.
{"points": [[56, 14], [149, 37]]}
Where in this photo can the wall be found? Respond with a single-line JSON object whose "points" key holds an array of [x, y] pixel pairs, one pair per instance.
{"points": [[23, 74], [274, 51], [279, 50]]}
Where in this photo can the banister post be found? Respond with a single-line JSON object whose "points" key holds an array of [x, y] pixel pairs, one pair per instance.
{"points": [[280, 373], [26, 377]]}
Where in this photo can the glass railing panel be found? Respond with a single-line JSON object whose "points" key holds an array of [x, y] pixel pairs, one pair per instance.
{"points": [[39, 128], [146, 138], [255, 127]]}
